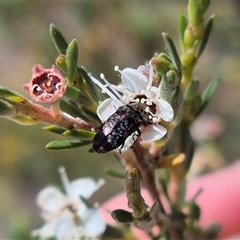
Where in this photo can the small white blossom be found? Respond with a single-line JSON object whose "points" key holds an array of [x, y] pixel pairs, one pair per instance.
{"points": [[137, 86], [67, 216]]}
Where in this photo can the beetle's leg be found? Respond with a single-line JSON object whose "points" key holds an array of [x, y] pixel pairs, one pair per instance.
{"points": [[136, 134]]}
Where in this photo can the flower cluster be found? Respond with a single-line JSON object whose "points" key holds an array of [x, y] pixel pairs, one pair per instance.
{"points": [[67, 216], [137, 86]]}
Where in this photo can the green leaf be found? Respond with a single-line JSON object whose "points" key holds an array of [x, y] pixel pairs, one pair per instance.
{"points": [[178, 216], [177, 104], [11, 95], [91, 116], [196, 10], [207, 32], [6, 109], [168, 85], [191, 90], [71, 61], [182, 27], [25, 121], [114, 173], [92, 89], [72, 109], [58, 39], [78, 96], [61, 62], [173, 53], [55, 129], [66, 144], [208, 93], [195, 211], [122, 216], [79, 133]]}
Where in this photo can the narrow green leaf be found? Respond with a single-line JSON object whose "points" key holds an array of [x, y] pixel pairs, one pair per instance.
{"points": [[182, 27], [114, 173], [122, 216], [191, 90], [78, 96], [196, 10], [71, 61], [25, 121], [72, 109], [91, 116], [55, 129], [91, 88], [162, 64], [66, 144], [191, 109], [58, 39], [170, 46], [168, 85], [195, 105], [177, 104], [11, 95], [195, 211], [208, 93], [61, 63], [177, 216], [79, 133], [207, 32], [6, 109]]}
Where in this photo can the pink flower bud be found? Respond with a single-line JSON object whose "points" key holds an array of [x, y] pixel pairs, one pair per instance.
{"points": [[46, 85]]}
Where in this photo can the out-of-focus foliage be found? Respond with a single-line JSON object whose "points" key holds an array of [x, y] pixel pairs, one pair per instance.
{"points": [[122, 33]]}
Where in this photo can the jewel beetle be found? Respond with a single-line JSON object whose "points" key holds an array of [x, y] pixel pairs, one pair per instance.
{"points": [[120, 125]]}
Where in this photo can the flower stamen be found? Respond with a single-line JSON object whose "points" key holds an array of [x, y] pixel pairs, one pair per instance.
{"points": [[109, 93], [109, 85], [65, 181], [147, 109]]}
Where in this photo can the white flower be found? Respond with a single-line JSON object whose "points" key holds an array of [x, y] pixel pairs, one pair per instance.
{"points": [[137, 86], [67, 216]]}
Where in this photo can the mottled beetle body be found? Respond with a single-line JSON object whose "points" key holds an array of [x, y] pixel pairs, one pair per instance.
{"points": [[120, 125]]}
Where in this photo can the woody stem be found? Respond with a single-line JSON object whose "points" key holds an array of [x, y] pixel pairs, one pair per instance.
{"points": [[147, 173]]}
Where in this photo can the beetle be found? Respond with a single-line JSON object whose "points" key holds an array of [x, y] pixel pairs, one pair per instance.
{"points": [[120, 125]]}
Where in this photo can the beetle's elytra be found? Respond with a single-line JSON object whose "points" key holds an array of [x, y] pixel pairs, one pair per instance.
{"points": [[119, 126]]}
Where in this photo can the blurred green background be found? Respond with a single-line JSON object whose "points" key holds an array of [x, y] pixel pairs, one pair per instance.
{"points": [[124, 33]]}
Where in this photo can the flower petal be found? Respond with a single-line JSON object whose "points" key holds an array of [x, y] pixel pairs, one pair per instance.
{"points": [[66, 228], [46, 85], [165, 110], [106, 109], [51, 200], [94, 224], [134, 80], [84, 187], [153, 133], [127, 144], [46, 231]]}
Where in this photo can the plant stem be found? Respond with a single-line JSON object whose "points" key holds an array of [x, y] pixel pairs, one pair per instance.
{"points": [[147, 173], [46, 115]]}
